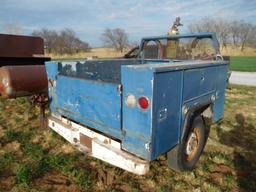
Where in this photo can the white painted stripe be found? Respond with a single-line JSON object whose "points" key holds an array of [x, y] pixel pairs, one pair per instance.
{"points": [[103, 148]]}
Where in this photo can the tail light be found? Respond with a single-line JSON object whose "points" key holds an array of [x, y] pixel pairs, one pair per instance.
{"points": [[143, 102]]}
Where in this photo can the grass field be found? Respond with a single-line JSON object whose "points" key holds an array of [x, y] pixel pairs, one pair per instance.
{"points": [[243, 63], [33, 158]]}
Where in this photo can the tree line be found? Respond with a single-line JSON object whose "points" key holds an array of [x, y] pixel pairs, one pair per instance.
{"points": [[116, 38], [66, 41], [62, 42], [237, 33]]}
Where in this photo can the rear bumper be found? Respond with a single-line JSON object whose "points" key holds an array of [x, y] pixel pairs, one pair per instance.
{"points": [[97, 145]]}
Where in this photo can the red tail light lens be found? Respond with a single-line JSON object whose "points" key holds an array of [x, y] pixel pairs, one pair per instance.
{"points": [[143, 102]]}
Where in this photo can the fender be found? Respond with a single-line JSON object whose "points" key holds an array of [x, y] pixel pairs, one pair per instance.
{"points": [[194, 111]]}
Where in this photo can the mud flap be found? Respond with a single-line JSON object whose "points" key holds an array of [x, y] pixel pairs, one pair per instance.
{"points": [[172, 158]]}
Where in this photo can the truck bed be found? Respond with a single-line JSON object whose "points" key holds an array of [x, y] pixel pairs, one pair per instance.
{"points": [[97, 70], [93, 93]]}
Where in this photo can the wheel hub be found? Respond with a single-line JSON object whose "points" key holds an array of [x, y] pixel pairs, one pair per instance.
{"points": [[192, 144]]}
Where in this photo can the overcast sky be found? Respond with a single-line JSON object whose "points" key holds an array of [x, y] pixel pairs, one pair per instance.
{"points": [[89, 18]]}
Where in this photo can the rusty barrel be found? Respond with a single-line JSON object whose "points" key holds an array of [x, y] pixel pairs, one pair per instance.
{"points": [[19, 81]]}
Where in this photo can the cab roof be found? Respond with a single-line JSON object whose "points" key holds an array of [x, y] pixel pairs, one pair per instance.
{"points": [[189, 35], [199, 35]]}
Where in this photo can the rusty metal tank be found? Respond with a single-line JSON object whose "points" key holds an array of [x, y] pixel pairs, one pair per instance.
{"points": [[21, 50], [19, 81]]}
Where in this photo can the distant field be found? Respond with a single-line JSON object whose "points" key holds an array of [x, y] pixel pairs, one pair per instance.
{"points": [[243, 63], [236, 51], [95, 52], [238, 63]]}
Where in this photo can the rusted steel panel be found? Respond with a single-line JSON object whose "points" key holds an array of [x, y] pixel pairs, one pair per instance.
{"points": [[21, 46], [21, 50], [86, 141], [18, 81]]}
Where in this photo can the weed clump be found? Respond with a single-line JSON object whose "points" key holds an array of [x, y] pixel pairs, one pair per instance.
{"points": [[5, 160], [23, 175], [11, 134]]}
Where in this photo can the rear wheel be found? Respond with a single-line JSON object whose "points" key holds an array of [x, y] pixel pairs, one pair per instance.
{"points": [[185, 155]]}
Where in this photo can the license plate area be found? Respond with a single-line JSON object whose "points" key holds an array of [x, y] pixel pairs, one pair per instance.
{"points": [[86, 141]]}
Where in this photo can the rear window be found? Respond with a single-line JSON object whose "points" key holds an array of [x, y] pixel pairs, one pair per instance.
{"points": [[180, 49]]}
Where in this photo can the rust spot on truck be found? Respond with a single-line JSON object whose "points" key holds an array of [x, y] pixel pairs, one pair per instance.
{"points": [[86, 141]]}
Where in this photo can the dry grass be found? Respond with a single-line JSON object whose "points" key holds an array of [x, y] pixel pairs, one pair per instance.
{"points": [[94, 52], [236, 51], [111, 53], [33, 158]]}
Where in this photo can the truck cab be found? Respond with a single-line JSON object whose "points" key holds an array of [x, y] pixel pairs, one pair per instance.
{"points": [[202, 46], [128, 112]]}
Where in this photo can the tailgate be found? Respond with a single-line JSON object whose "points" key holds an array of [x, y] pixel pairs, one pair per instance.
{"points": [[92, 103]]}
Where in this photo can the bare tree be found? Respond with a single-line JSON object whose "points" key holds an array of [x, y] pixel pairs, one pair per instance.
{"points": [[238, 33], [13, 28], [62, 42], [70, 43], [252, 37], [116, 38], [245, 33], [234, 31], [80, 45], [50, 39], [205, 25], [221, 28]]}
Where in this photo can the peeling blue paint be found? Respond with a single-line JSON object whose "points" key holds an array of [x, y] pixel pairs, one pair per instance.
{"points": [[88, 92]]}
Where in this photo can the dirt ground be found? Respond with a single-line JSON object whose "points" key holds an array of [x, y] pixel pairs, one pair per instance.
{"points": [[34, 158]]}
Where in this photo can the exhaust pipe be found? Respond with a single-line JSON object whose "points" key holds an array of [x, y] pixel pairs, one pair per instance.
{"points": [[20, 81]]}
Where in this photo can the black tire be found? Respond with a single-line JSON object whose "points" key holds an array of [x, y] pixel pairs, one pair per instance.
{"points": [[185, 155]]}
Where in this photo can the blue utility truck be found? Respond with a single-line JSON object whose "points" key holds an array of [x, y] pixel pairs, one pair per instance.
{"points": [[128, 112]]}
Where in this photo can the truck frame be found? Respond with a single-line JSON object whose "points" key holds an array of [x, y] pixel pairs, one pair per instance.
{"points": [[128, 112]]}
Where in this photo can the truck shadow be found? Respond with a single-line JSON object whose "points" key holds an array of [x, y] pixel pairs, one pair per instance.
{"points": [[243, 139]]}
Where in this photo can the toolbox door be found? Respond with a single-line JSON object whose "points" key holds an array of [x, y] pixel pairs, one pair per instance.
{"points": [[167, 111]]}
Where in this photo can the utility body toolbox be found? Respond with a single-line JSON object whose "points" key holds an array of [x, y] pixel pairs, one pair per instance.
{"points": [[128, 112]]}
